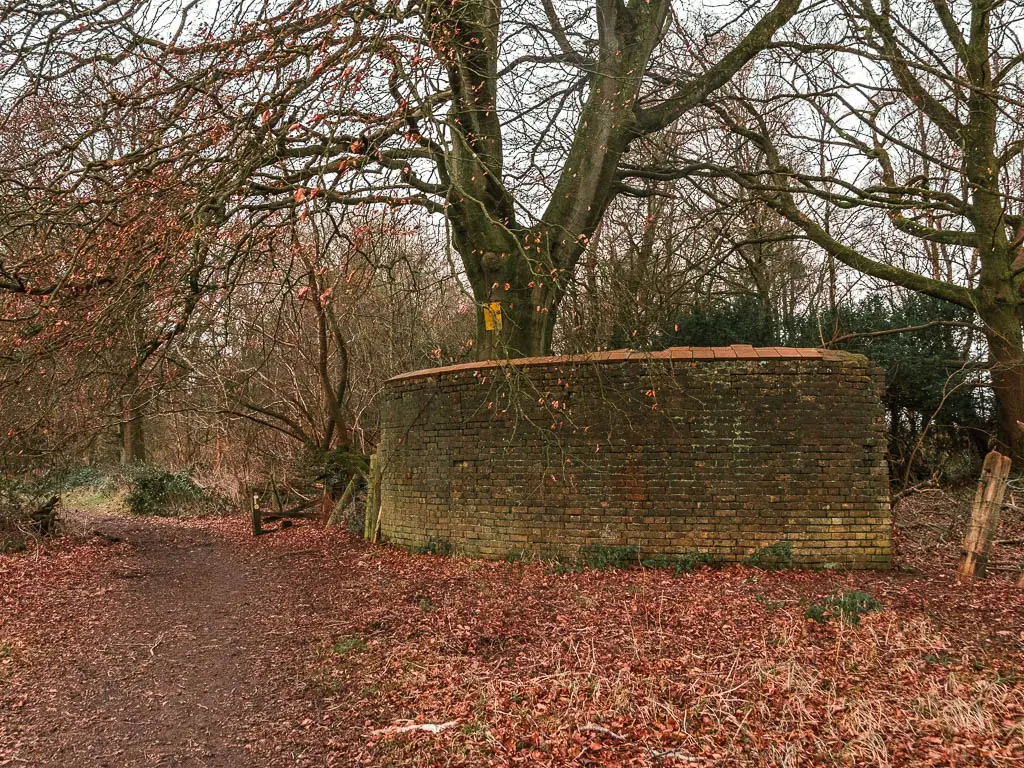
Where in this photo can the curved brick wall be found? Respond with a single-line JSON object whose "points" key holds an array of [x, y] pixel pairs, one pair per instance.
{"points": [[692, 449]]}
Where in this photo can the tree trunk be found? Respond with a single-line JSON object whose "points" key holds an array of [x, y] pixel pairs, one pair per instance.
{"points": [[132, 433], [521, 271], [515, 324], [1006, 356], [517, 301]]}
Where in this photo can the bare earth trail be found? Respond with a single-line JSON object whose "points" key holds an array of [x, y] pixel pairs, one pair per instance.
{"points": [[187, 660], [189, 643]]}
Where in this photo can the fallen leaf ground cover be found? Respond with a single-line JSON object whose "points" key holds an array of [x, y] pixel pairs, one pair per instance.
{"points": [[190, 643]]}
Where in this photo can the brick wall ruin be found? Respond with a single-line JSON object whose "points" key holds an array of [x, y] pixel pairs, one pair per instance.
{"points": [[720, 451]]}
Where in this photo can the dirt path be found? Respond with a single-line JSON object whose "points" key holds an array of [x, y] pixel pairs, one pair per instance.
{"points": [[184, 657], [192, 644]]}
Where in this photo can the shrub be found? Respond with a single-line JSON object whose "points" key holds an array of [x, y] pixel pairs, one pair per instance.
{"points": [[518, 556], [680, 564], [601, 556], [850, 604], [561, 567], [333, 467], [768, 603], [847, 606], [816, 612], [69, 478], [25, 513], [160, 493], [772, 557]]}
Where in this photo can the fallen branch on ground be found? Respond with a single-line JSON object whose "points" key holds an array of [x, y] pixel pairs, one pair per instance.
{"points": [[592, 728], [431, 728], [675, 754]]}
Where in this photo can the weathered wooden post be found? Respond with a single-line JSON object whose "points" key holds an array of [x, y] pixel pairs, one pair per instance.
{"points": [[257, 513], [373, 499], [988, 502]]}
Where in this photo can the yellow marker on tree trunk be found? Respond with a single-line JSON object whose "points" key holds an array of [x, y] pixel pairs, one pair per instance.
{"points": [[492, 316]]}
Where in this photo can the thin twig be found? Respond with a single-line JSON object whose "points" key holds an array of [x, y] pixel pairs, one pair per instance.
{"points": [[675, 754], [592, 727], [431, 728]]}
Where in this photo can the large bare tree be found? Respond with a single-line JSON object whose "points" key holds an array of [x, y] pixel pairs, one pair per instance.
{"points": [[514, 121], [913, 113]]}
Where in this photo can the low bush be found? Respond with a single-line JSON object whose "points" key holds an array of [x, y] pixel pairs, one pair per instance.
{"points": [[25, 513], [515, 555], [772, 557], [63, 479], [169, 494], [847, 606], [603, 556], [680, 564]]}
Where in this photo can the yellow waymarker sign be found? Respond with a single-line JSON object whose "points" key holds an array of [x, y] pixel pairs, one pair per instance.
{"points": [[492, 316]]}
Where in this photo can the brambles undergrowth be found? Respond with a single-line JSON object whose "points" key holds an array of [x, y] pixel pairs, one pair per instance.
{"points": [[439, 547], [141, 490], [61, 480], [846, 606], [772, 557], [768, 603], [26, 512], [680, 564], [518, 556], [603, 556]]}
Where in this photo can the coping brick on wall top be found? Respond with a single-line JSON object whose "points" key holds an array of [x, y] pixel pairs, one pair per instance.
{"points": [[734, 352]]}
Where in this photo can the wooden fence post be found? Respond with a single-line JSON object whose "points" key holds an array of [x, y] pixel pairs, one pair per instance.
{"points": [[988, 503], [373, 499], [257, 513], [368, 518]]}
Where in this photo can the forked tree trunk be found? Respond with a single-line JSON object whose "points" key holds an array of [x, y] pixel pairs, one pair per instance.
{"points": [[520, 270], [515, 323], [516, 294]]}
